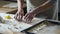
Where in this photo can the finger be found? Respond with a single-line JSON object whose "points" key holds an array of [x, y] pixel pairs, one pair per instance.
{"points": [[30, 20], [25, 16], [16, 16], [21, 16]]}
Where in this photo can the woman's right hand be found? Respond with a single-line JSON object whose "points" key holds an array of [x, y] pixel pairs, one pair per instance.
{"points": [[19, 15]]}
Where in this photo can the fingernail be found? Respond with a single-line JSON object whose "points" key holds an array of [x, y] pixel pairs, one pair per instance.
{"points": [[15, 17], [20, 16]]}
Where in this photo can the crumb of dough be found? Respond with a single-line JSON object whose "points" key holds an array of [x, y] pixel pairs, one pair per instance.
{"points": [[15, 27]]}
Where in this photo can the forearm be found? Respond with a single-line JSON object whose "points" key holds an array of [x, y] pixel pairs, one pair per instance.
{"points": [[20, 4], [42, 8]]}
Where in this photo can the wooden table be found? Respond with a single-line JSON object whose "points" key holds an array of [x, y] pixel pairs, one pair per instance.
{"points": [[7, 9]]}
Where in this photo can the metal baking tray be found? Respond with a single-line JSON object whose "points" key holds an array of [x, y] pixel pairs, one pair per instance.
{"points": [[33, 26], [54, 22]]}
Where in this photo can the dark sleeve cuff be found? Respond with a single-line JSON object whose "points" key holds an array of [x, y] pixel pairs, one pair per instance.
{"points": [[53, 2]]}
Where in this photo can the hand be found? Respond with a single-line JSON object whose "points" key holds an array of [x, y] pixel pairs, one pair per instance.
{"points": [[29, 16], [19, 15]]}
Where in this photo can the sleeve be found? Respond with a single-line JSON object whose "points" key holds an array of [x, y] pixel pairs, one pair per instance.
{"points": [[53, 1]]}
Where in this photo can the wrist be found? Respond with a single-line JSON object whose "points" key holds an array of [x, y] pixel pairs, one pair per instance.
{"points": [[34, 13], [20, 9]]}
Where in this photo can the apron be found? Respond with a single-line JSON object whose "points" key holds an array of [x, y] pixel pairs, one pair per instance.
{"points": [[32, 4]]}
